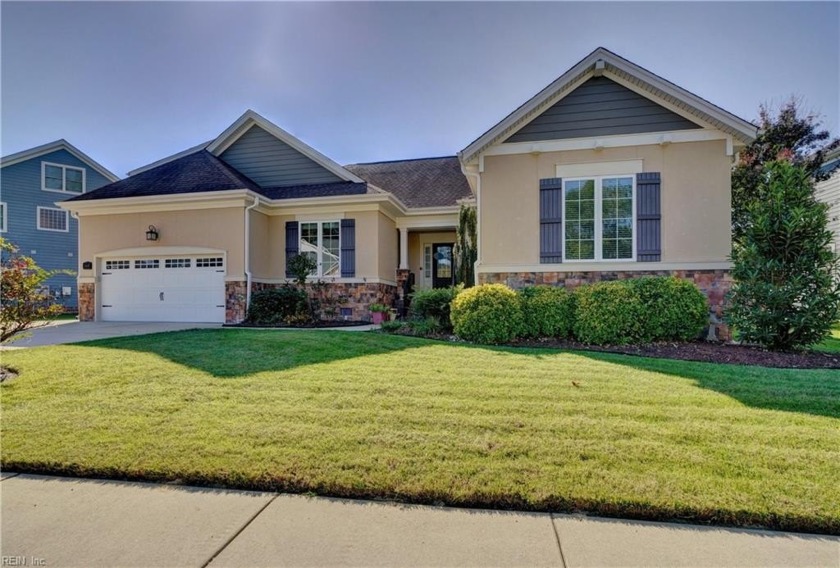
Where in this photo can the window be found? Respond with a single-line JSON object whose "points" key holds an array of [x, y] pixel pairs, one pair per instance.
{"points": [[176, 263], [153, 263], [57, 177], [209, 262], [4, 220], [117, 264], [50, 219], [599, 218], [320, 242]]}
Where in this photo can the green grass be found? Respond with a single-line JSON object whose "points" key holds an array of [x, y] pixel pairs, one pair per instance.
{"points": [[372, 415], [832, 342]]}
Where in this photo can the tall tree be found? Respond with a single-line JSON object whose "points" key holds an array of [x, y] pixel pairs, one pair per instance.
{"points": [[787, 288], [788, 134]]}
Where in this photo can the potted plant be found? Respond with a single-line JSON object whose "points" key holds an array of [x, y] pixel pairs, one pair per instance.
{"points": [[380, 313]]}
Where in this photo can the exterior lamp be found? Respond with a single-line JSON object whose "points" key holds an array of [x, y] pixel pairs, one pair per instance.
{"points": [[152, 233]]}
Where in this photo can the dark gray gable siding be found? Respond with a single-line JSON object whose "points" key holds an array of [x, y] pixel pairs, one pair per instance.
{"points": [[273, 163], [20, 190], [600, 107]]}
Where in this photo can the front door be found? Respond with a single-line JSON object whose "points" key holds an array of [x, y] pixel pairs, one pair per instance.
{"points": [[443, 269]]}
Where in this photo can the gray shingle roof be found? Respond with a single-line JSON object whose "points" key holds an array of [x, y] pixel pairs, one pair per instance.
{"points": [[427, 182], [201, 171], [316, 190]]}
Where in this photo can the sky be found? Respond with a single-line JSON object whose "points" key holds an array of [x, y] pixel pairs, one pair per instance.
{"points": [[130, 83]]}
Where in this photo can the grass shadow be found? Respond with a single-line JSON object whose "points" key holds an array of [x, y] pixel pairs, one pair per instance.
{"points": [[234, 353]]}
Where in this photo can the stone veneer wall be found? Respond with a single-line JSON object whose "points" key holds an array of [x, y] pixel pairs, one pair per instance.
{"points": [[359, 296], [87, 301], [713, 283]]}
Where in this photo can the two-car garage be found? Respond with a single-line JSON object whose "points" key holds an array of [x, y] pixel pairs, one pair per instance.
{"points": [[182, 288]]}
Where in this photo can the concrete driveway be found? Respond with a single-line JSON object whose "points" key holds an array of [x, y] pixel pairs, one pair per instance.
{"points": [[71, 331]]}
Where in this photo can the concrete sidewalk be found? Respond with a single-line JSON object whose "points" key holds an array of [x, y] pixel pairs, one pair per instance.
{"points": [[53, 521]]}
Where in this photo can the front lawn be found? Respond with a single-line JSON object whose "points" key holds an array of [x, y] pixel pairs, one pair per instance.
{"points": [[372, 415]]}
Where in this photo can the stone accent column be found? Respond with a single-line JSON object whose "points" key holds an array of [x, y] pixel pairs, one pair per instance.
{"points": [[87, 301], [235, 299]]}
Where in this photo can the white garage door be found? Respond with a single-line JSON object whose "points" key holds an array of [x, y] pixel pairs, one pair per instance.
{"points": [[186, 289]]}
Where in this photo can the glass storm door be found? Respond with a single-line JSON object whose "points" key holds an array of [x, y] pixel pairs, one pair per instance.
{"points": [[443, 273]]}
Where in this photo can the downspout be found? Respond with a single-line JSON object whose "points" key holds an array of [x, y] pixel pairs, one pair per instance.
{"points": [[75, 215], [477, 177], [248, 252]]}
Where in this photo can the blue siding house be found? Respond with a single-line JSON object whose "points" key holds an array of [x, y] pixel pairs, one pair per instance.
{"points": [[31, 182]]}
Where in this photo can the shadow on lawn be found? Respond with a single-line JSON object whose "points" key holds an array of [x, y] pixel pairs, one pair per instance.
{"points": [[815, 392], [235, 353]]}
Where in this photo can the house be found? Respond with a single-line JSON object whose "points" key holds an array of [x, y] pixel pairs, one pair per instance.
{"points": [[609, 172], [828, 191], [31, 182], [192, 236]]}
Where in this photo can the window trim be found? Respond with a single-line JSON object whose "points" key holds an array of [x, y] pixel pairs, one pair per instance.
{"points": [[64, 168], [38, 220], [4, 217], [599, 226], [319, 269]]}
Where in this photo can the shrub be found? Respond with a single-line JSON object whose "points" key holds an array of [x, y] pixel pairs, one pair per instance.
{"points": [[547, 311], [639, 310], [608, 313], [392, 326], [487, 314], [434, 303], [786, 292], [426, 327], [675, 309], [278, 305]]}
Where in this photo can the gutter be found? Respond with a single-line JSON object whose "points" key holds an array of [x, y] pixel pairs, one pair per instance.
{"points": [[248, 252]]}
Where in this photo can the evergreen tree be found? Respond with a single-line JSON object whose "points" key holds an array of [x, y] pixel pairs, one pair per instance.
{"points": [[466, 246], [787, 288]]}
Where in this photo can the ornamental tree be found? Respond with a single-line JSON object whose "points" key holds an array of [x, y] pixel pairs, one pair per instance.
{"points": [[788, 134], [787, 288], [23, 304], [466, 251]]}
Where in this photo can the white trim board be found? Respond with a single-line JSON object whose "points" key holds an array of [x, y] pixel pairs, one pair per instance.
{"points": [[598, 169]]}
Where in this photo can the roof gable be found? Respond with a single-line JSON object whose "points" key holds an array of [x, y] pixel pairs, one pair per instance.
{"points": [[600, 107], [603, 62], [51, 147], [267, 149]]}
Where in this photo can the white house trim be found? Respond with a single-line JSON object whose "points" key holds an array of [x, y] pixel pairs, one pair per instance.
{"points": [[61, 144], [591, 266], [589, 169], [251, 118]]}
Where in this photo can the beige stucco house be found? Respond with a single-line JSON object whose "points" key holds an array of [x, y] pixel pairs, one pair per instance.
{"points": [[828, 191], [609, 172]]}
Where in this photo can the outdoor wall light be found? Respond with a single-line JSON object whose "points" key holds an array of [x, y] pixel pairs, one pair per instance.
{"points": [[152, 233]]}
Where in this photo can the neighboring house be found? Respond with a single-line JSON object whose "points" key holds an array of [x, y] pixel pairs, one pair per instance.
{"points": [[828, 191], [609, 172], [31, 182], [190, 237]]}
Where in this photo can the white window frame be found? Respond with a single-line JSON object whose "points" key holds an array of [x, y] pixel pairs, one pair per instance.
{"points": [[319, 268], [599, 226], [66, 219], [64, 169], [4, 217]]}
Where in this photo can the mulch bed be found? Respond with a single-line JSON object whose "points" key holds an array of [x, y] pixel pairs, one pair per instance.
{"points": [[309, 325], [707, 352]]}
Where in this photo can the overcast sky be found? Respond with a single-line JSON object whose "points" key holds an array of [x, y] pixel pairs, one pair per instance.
{"points": [[131, 83]]}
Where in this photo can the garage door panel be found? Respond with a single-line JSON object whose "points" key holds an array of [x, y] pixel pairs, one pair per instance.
{"points": [[165, 292]]}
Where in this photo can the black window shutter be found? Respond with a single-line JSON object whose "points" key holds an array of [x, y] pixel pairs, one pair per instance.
{"points": [[648, 217], [348, 248], [551, 220], [292, 244]]}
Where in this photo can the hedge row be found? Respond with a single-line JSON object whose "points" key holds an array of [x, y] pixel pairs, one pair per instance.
{"points": [[640, 310]]}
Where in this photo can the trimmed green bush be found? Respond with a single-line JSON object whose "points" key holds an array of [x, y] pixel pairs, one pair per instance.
{"points": [[608, 313], [490, 313], [547, 311], [278, 305], [434, 303], [639, 310], [675, 309]]}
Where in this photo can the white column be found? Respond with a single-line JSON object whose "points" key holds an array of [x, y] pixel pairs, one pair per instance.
{"points": [[403, 248]]}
